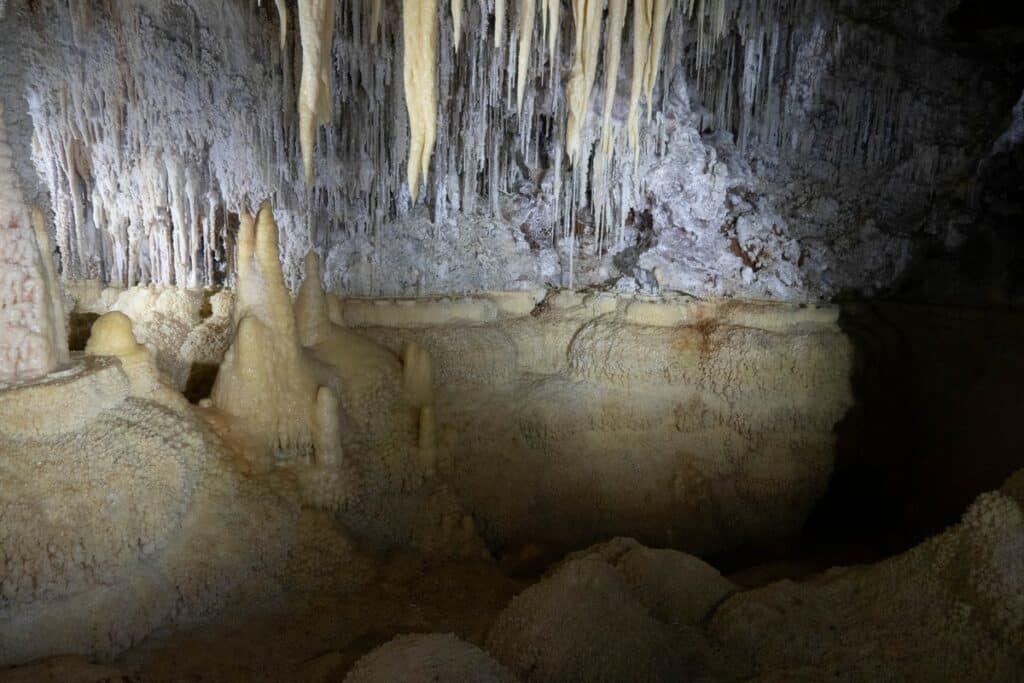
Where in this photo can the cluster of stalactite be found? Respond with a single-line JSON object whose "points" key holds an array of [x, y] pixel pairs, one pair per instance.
{"points": [[154, 131]]}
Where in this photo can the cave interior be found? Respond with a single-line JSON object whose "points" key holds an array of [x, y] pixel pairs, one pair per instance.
{"points": [[534, 340]]}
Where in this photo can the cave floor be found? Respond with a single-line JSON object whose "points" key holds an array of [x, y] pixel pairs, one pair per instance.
{"points": [[318, 636], [306, 636]]}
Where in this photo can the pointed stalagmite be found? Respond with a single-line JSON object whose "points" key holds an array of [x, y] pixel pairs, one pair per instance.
{"points": [[328, 433], [417, 375], [54, 313], [311, 317], [316, 30], [276, 297], [265, 380], [246, 244], [419, 31]]}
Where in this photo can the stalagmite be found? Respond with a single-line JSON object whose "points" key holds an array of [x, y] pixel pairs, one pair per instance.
{"points": [[112, 335], [659, 19], [642, 11], [276, 301], [419, 30], [527, 14], [456, 23], [417, 375], [418, 388], [54, 313], [587, 15], [264, 381], [499, 23], [612, 55], [316, 30], [311, 318], [243, 275], [32, 339], [328, 434]]}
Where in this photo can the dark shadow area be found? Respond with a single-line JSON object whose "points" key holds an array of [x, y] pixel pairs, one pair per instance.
{"points": [[938, 420], [80, 329], [938, 381], [200, 381]]}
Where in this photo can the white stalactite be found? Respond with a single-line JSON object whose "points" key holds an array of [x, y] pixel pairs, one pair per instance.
{"points": [[419, 30], [316, 30]]}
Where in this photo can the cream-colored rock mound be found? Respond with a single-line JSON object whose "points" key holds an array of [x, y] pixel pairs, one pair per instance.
{"points": [[614, 613], [187, 330], [950, 609], [121, 512], [692, 424], [425, 658]]}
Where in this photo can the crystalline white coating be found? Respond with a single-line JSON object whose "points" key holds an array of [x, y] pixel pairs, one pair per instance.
{"points": [[156, 126]]}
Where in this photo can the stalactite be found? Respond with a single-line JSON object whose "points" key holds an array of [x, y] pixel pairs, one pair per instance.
{"points": [[499, 23], [282, 17], [642, 12], [375, 7], [659, 20], [456, 7], [133, 199], [613, 53], [527, 13], [587, 15], [316, 29], [419, 28], [552, 20]]}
